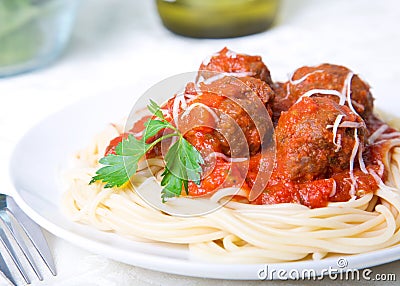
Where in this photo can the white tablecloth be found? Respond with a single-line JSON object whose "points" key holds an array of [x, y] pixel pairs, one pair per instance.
{"points": [[117, 44]]}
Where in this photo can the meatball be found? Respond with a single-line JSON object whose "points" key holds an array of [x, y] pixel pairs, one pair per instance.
{"points": [[307, 149], [230, 62], [261, 89], [238, 121], [243, 113], [243, 87], [326, 77], [238, 131]]}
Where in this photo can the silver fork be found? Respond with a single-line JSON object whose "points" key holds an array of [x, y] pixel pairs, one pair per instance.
{"points": [[17, 232]]}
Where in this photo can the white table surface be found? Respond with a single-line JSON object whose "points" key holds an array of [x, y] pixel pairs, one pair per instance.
{"points": [[117, 44]]}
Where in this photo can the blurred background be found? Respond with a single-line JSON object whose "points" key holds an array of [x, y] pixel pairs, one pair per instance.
{"points": [[120, 42], [122, 46]]}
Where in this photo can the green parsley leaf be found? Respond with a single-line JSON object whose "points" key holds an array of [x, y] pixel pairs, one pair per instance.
{"points": [[182, 165], [120, 167], [153, 126], [192, 159], [155, 109], [183, 161], [172, 185]]}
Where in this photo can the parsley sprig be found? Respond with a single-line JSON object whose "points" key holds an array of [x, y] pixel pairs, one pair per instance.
{"points": [[182, 161]]}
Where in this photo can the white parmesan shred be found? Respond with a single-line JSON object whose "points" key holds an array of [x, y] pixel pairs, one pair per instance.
{"points": [[347, 124], [339, 142], [351, 124], [225, 74], [231, 54], [287, 92], [347, 88], [190, 108], [392, 135], [351, 165], [381, 168], [376, 177], [138, 134], [361, 161], [323, 91], [226, 158], [377, 134], [207, 60], [179, 100], [335, 128], [300, 80], [333, 192], [191, 96]]}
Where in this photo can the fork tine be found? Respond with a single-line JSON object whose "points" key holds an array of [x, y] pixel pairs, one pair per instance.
{"points": [[5, 240], [19, 235], [6, 274], [20, 242], [34, 234]]}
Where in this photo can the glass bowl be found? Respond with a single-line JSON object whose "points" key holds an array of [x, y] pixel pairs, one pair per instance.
{"points": [[33, 33]]}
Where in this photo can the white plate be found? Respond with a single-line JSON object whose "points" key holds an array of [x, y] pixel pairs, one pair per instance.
{"points": [[35, 167]]}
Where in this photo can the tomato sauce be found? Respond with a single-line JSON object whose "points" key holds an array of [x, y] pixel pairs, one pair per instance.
{"points": [[220, 175], [312, 165]]}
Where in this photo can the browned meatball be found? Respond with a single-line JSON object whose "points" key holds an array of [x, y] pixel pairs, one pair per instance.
{"points": [[306, 148], [262, 89], [244, 88], [324, 77], [231, 62], [243, 113], [237, 130]]}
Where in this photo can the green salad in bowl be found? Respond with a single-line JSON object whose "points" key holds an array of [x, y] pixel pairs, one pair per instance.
{"points": [[33, 32]]}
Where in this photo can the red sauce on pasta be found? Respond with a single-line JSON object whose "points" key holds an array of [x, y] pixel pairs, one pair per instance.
{"points": [[323, 124]]}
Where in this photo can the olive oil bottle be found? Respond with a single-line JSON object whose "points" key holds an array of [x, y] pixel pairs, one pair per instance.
{"points": [[217, 18]]}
